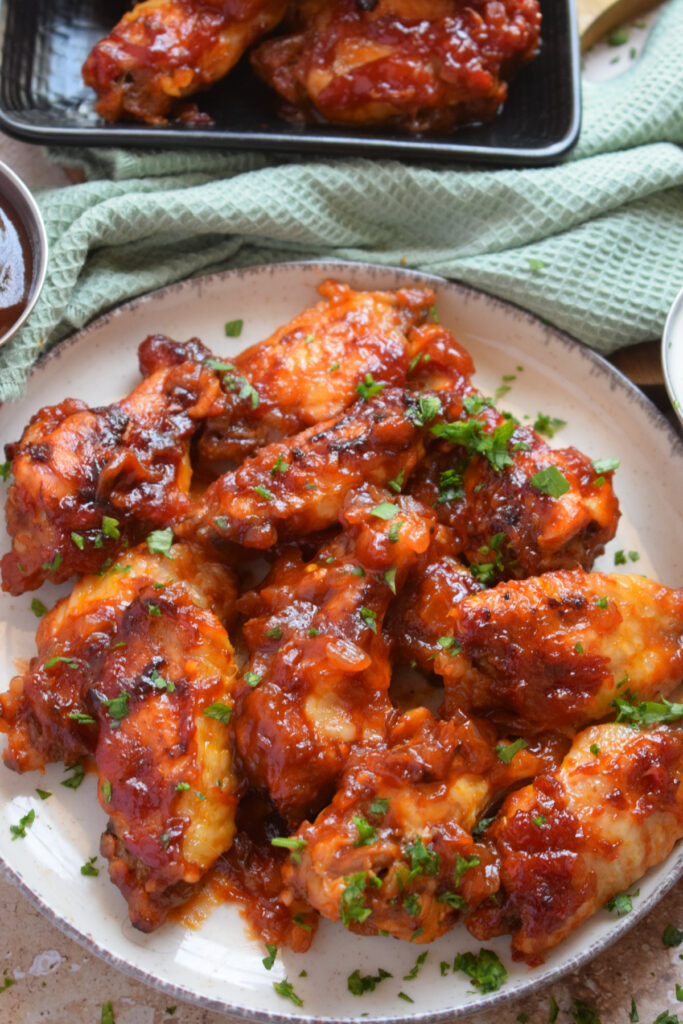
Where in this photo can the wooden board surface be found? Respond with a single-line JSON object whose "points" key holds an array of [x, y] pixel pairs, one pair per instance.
{"points": [[596, 17]]}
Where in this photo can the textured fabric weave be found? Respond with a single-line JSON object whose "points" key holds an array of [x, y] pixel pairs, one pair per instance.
{"points": [[594, 245]]}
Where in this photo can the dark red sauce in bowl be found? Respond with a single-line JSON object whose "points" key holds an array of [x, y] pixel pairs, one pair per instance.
{"points": [[23, 253]]}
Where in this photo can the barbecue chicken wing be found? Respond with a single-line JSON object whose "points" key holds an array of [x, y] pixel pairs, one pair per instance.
{"points": [[393, 852], [309, 370], [555, 651], [319, 662], [86, 482], [516, 506], [578, 836], [418, 64], [295, 487], [165, 50]]}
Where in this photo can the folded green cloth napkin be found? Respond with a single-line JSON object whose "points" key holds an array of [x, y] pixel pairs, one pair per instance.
{"points": [[594, 245]]}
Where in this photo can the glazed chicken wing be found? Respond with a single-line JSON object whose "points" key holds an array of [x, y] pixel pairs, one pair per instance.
{"points": [[86, 482], [418, 64], [578, 836], [297, 486], [309, 370], [319, 664], [555, 651], [393, 852], [165, 50]]}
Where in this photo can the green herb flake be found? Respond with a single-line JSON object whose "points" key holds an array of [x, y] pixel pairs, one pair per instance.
{"points": [[165, 840], [269, 960], [550, 481], [584, 1014], [76, 778], [622, 903], [53, 565], [19, 831], [154, 610], [44, 794], [620, 558], [369, 617], [428, 406], [422, 859], [368, 388], [506, 751], [60, 659], [444, 968], [279, 466], [78, 540], [351, 905], [463, 864], [292, 843], [414, 971], [263, 492], [358, 984], [379, 805], [38, 608], [449, 645], [275, 633], [394, 530], [80, 716], [594, 749], [284, 989], [159, 542], [390, 579], [553, 1010], [219, 711], [160, 682], [182, 787], [485, 969], [110, 527], [618, 37], [452, 899], [397, 483], [333, 366], [252, 679], [5, 470], [633, 556], [605, 465], [385, 510], [106, 790], [89, 868], [601, 602], [107, 1015], [367, 833], [118, 707], [548, 425], [301, 922], [671, 936], [233, 328], [471, 435], [539, 820], [406, 998], [434, 313], [481, 826], [679, 993]]}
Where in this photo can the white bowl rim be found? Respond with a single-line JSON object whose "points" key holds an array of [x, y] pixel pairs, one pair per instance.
{"points": [[40, 252]]}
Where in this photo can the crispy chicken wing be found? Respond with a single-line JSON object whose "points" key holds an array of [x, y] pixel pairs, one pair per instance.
{"points": [[578, 836], [419, 64], [86, 482], [295, 487], [393, 852], [308, 371], [554, 651], [319, 663], [165, 50], [516, 506]]}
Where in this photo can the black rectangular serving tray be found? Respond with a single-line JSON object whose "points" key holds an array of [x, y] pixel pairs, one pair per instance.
{"points": [[43, 44]]}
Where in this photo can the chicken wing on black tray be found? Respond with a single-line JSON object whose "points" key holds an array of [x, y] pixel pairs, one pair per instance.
{"points": [[418, 64], [166, 50], [319, 663]]}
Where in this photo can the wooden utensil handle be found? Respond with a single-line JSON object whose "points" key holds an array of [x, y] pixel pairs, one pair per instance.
{"points": [[597, 17]]}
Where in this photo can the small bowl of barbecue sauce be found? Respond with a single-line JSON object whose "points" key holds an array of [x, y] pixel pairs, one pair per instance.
{"points": [[23, 253]]}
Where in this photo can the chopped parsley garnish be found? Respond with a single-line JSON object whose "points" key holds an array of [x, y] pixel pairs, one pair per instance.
{"points": [[601, 602], [594, 749], [19, 831], [279, 466], [89, 868], [284, 988], [433, 312], [38, 608], [80, 716], [412, 905], [252, 678], [78, 540], [619, 558], [78, 775], [165, 840], [358, 984], [647, 712], [44, 794], [485, 969], [182, 787], [449, 645], [154, 610], [671, 936], [506, 751], [313, 632], [633, 556], [369, 387], [550, 481], [397, 483], [450, 486], [275, 633], [379, 805], [578, 647], [351, 905], [605, 465], [291, 843], [679, 993], [472, 436], [422, 859], [367, 833], [233, 328], [263, 492], [107, 1015], [394, 531], [60, 658], [53, 565], [333, 366], [406, 998], [390, 579], [539, 820], [110, 527], [385, 510], [548, 425], [414, 971], [622, 902], [618, 37], [453, 899], [428, 406], [117, 707], [300, 922], [160, 682], [369, 617], [106, 791], [159, 542], [584, 1014], [7, 982], [358, 570], [462, 864], [633, 1015], [269, 960], [218, 710], [5, 470]]}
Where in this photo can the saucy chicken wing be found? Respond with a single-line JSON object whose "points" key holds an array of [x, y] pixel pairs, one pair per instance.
{"points": [[310, 369], [87, 482], [165, 50], [295, 487], [319, 671], [576, 837], [419, 64], [393, 852], [555, 651]]}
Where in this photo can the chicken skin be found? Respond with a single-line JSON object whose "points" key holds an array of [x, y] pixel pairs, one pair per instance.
{"points": [[296, 487], [165, 50], [578, 836], [135, 668], [393, 852], [417, 64], [319, 670], [309, 370], [555, 651], [87, 482]]}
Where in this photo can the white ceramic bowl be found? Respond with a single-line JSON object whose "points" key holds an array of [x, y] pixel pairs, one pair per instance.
{"points": [[13, 190], [672, 354]]}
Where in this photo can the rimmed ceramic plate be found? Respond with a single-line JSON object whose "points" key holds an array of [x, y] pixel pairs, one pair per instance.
{"points": [[219, 966]]}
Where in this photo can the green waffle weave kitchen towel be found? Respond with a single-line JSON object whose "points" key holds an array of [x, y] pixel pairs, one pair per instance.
{"points": [[594, 245]]}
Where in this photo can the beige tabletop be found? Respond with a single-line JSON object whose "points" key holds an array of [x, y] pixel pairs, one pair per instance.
{"points": [[47, 977]]}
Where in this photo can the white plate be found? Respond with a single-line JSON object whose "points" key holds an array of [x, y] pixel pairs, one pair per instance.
{"points": [[219, 966]]}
